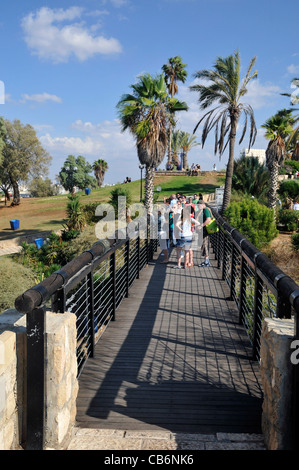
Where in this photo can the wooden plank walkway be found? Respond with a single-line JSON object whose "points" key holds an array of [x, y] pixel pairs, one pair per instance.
{"points": [[175, 359]]}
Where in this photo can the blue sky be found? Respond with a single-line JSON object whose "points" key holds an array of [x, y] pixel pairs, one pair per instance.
{"points": [[65, 65]]}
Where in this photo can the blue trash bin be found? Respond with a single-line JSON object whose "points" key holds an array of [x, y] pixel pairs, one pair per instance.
{"points": [[15, 224], [87, 191], [38, 242]]}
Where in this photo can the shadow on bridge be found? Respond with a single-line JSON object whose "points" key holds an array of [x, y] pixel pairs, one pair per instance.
{"points": [[175, 359]]}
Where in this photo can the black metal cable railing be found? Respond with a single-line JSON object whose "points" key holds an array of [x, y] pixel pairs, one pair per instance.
{"points": [[92, 287], [260, 289]]}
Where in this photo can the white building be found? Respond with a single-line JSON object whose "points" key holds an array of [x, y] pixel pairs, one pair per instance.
{"points": [[258, 153]]}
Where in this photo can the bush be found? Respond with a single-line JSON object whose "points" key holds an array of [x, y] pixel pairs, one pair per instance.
{"points": [[289, 219], [293, 164], [253, 220], [15, 280], [289, 189], [295, 241]]}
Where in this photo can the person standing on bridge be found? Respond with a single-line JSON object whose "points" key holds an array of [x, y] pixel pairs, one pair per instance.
{"points": [[163, 234], [204, 211], [185, 225]]}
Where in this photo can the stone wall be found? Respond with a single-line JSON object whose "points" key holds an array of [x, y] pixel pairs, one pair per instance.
{"points": [[276, 378], [61, 380], [12, 379]]}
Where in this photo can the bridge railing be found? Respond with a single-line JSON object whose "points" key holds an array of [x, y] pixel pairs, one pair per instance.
{"points": [[92, 287], [260, 289]]}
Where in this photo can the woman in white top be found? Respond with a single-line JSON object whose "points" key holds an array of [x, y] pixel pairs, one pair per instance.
{"points": [[185, 227]]}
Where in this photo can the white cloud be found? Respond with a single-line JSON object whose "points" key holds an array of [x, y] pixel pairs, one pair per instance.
{"points": [[293, 69], [47, 35], [41, 98], [71, 145], [259, 95], [96, 140]]}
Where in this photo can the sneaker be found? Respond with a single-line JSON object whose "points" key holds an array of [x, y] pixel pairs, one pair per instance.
{"points": [[205, 265]]}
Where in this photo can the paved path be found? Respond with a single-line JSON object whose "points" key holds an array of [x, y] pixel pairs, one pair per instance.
{"points": [[103, 439]]}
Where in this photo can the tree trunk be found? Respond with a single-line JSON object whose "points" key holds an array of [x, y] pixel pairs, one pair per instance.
{"points": [[16, 194], [230, 165], [169, 156], [295, 155], [6, 193], [272, 195], [149, 188], [185, 161]]}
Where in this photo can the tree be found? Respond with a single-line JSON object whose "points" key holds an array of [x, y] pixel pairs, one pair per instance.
{"points": [[147, 114], [250, 177], [75, 173], [278, 128], [176, 146], [23, 156], [292, 142], [174, 71], [188, 142], [42, 187], [100, 167], [2, 135], [225, 87]]}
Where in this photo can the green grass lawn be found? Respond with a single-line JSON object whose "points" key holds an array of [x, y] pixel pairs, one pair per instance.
{"points": [[48, 214]]}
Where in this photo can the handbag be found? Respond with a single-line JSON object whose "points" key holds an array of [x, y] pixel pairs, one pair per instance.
{"points": [[212, 226]]}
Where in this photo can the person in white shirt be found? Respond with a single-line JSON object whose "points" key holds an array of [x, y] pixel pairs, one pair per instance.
{"points": [[296, 206]]}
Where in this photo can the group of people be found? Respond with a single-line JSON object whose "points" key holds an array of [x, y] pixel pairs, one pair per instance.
{"points": [[178, 221], [194, 169]]}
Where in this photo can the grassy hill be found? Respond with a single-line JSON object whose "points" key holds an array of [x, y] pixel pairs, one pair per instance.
{"points": [[47, 214]]}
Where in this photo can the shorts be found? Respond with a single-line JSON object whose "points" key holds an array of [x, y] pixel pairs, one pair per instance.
{"points": [[163, 242], [184, 243]]}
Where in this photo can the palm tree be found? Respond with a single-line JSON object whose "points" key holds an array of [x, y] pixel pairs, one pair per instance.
{"points": [[250, 177], [147, 114], [176, 146], [278, 128], [100, 167], [225, 87], [188, 142], [174, 71]]}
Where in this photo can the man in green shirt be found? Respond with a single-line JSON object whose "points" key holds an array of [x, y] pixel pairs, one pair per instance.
{"points": [[206, 219]]}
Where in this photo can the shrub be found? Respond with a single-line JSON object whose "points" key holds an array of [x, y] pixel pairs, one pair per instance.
{"points": [[253, 220], [15, 279], [295, 241], [293, 164], [289, 189], [289, 219]]}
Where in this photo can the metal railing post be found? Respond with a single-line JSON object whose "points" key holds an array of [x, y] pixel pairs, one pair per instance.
{"points": [[127, 266], [113, 279], [138, 256], [258, 298], [90, 293], [36, 324]]}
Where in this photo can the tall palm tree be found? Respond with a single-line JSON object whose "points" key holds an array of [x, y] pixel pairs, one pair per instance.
{"points": [[176, 146], [174, 71], [100, 167], [147, 114], [225, 87], [278, 128], [188, 142]]}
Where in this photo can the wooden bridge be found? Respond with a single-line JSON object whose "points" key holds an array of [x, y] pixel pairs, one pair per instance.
{"points": [[161, 348], [176, 358]]}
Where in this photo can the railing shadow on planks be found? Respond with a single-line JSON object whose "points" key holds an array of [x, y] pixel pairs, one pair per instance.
{"points": [[93, 285]]}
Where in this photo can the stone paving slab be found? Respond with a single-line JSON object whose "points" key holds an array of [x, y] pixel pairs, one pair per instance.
{"points": [[103, 439]]}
